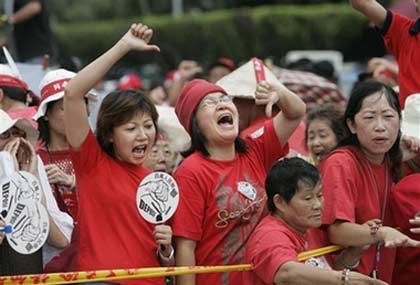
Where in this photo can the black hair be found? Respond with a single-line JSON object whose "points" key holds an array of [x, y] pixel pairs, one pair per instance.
{"points": [[199, 141], [15, 93], [354, 105], [284, 177], [43, 126], [117, 108], [333, 115]]}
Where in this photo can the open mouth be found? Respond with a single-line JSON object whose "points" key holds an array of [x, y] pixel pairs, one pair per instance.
{"points": [[319, 154], [139, 150], [380, 140], [225, 120]]}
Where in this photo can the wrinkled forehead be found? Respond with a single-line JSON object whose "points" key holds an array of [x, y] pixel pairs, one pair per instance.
{"points": [[377, 101]]}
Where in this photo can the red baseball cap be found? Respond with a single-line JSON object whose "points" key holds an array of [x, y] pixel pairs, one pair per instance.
{"points": [[191, 95], [130, 81]]}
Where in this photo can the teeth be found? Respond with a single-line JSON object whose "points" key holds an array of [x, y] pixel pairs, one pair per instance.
{"points": [[139, 149]]}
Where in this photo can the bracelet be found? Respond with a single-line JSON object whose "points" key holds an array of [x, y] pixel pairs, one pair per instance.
{"points": [[374, 230], [164, 258], [345, 276]]}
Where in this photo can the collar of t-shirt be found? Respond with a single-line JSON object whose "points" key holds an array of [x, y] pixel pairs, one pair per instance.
{"points": [[415, 28]]}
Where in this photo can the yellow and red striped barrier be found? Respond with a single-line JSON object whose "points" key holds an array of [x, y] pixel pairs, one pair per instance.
{"points": [[136, 273]]}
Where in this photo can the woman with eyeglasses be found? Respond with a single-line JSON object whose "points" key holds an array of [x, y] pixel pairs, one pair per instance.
{"points": [[221, 180], [17, 153]]}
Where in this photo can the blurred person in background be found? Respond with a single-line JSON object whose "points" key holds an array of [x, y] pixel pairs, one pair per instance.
{"points": [[220, 68]]}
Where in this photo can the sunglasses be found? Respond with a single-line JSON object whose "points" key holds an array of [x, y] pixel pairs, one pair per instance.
{"points": [[13, 131]]}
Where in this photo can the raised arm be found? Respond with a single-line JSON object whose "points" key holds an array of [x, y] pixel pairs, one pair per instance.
{"points": [[76, 116], [291, 106], [371, 9]]}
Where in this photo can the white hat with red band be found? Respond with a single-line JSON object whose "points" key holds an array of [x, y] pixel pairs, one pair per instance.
{"points": [[9, 78], [52, 89]]}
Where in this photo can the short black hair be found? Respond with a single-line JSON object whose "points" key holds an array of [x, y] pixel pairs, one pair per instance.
{"points": [[284, 177]]}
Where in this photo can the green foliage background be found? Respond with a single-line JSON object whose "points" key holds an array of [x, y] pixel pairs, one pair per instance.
{"points": [[237, 33]]}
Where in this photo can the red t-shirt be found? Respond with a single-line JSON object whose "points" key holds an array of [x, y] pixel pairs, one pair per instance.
{"points": [[405, 47], [350, 194], [405, 203], [272, 244], [112, 234], [214, 209], [64, 195]]}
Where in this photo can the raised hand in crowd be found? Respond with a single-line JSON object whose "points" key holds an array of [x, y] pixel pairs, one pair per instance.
{"points": [[23, 155], [383, 70], [58, 176], [292, 108], [138, 38], [410, 147]]}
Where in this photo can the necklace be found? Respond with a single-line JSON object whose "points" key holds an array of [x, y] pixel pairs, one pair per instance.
{"points": [[375, 183]]}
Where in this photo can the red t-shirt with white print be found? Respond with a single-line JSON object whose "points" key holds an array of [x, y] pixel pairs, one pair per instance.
{"points": [[112, 234], [221, 202]]}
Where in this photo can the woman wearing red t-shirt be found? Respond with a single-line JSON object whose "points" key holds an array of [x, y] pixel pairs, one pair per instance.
{"points": [[108, 167], [357, 179], [222, 180]]}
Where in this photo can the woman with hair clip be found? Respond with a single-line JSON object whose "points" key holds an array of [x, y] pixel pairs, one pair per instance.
{"points": [[359, 175], [109, 168], [222, 179]]}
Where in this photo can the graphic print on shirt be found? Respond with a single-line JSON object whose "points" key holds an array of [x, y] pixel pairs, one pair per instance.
{"points": [[240, 214]]}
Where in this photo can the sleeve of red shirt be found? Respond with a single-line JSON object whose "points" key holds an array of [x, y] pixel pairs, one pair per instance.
{"points": [[265, 144], [87, 157], [270, 251], [339, 189], [405, 201], [395, 32], [188, 219]]}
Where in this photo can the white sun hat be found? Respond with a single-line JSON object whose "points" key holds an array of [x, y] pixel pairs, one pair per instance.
{"points": [[6, 122], [52, 89], [411, 116]]}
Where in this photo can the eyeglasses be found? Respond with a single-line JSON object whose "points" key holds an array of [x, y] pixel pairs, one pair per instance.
{"points": [[213, 101], [16, 132]]}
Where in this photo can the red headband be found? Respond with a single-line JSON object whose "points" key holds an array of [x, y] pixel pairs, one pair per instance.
{"points": [[7, 80], [53, 88]]}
